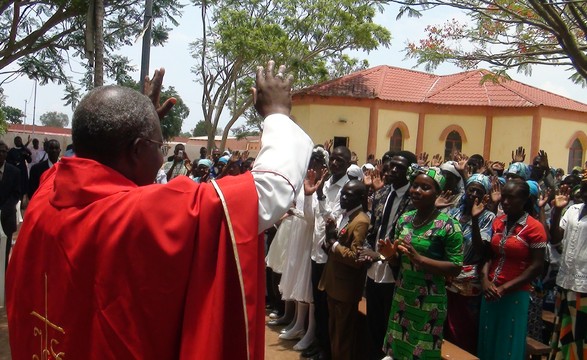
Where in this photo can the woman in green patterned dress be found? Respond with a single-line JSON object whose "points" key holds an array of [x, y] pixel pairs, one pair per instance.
{"points": [[428, 248]]}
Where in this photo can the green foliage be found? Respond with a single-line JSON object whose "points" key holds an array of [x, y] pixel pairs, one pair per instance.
{"points": [[42, 37], [12, 114], [54, 119], [310, 36], [200, 129], [506, 34]]}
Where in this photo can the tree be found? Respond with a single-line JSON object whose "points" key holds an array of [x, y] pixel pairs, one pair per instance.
{"points": [[200, 129], [54, 119], [507, 34], [12, 114], [41, 37], [308, 35], [3, 124]]}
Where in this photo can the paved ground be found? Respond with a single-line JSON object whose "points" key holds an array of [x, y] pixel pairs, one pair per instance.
{"points": [[275, 348]]}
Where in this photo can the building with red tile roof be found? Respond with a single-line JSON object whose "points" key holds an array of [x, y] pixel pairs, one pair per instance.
{"points": [[386, 107]]}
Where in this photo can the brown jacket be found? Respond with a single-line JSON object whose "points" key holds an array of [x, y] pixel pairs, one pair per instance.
{"points": [[344, 277]]}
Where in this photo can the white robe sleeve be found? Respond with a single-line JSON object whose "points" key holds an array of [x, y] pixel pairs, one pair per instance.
{"points": [[280, 167]]}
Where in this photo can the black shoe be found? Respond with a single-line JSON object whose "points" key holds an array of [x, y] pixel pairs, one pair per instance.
{"points": [[313, 350], [319, 356]]}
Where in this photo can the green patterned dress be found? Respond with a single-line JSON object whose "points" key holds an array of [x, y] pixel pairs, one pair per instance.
{"points": [[419, 305]]}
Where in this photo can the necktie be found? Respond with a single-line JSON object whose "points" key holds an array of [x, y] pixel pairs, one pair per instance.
{"points": [[1, 173], [386, 213]]}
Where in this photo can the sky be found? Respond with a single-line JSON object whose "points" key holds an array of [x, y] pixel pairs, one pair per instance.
{"points": [[175, 57]]}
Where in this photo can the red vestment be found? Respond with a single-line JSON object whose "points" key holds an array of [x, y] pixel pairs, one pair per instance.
{"points": [[104, 269]]}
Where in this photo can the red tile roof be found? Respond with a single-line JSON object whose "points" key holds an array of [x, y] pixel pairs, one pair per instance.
{"points": [[465, 88], [45, 130]]}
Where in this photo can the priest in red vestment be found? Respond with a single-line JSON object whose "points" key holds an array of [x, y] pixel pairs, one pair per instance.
{"points": [[108, 265]]}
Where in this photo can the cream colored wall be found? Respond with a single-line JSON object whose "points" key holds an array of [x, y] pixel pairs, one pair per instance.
{"points": [[321, 122], [387, 118], [555, 136], [507, 134], [473, 126]]}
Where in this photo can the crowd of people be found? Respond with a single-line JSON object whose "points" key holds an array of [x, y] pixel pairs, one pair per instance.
{"points": [[125, 254], [468, 250]]}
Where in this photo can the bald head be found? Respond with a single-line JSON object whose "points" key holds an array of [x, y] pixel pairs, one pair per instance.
{"points": [[109, 119]]}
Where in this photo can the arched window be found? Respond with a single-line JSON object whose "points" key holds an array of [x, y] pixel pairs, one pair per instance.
{"points": [[575, 155], [396, 141], [453, 142]]}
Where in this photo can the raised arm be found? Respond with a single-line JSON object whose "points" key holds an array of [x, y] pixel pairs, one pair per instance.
{"points": [[280, 167]]}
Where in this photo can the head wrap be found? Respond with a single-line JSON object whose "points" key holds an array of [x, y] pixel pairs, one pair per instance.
{"points": [[534, 188], [355, 171], [205, 162], [481, 179], [320, 154], [367, 167], [520, 169], [434, 172], [226, 152], [450, 167], [224, 159]]}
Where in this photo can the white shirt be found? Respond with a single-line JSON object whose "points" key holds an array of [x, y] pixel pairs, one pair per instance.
{"points": [[280, 167], [572, 274], [327, 208], [37, 155], [379, 272]]}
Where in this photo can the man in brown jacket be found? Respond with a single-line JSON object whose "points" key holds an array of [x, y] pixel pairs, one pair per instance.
{"points": [[343, 278]]}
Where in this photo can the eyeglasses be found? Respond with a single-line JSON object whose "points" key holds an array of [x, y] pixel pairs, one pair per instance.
{"points": [[162, 147]]}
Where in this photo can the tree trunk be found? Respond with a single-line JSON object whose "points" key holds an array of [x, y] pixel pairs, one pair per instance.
{"points": [[99, 44]]}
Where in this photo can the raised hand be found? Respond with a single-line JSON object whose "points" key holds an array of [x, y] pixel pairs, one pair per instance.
{"points": [[436, 160], [544, 196], [377, 180], [236, 155], [562, 197], [498, 166], [519, 155], [328, 145], [445, 199], [423, 159], [312, 181], [543, 160], [461, 161], [272, 93], [495, 190], [479, 206], [152, 89]]}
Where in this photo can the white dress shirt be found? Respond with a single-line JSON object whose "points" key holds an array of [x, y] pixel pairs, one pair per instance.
{"points": [[572, 274], [327, 208], [379, 272]]}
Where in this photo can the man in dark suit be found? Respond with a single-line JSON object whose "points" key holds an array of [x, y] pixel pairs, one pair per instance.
{"points": [[20, 156], [344, 276], [389, 203], [53, 150], [9, 196]]}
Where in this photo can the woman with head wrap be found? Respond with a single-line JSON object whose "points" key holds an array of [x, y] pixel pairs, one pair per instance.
{"points": [[428, 247], [464, 291], [515, 258], [201, 173]]}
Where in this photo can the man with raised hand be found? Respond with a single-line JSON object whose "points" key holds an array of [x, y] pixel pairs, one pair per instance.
{"points": [[97, 274]]}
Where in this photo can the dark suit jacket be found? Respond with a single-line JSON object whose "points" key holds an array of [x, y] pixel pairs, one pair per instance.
{"points": [[9, 196], [344, 277], [379, 199], [35, 176]]}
